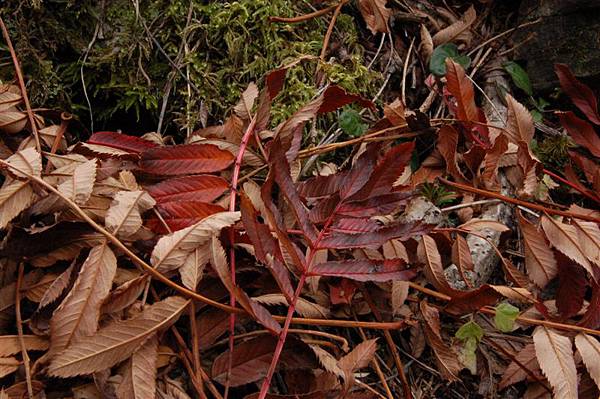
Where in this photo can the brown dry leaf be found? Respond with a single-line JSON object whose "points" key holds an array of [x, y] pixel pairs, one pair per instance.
{"points": [[124, 295], [459, 30], [429, 255], [480, 224], [589, 349], [461, 254], [519, 124], [192, 269], [514, 372], [28, 161], [359, 358], [244, 106], [139, 380], [10, 345], [124, 215], [399, 295], [395, 112], [564, 238], [327, 360], [172, 250], [78, 187], [447, 359], [15, 197], [117, 341], [8, 365], [539, 258], [12, 122], [376, 15], [303, 307], [77, 316], [426, 44], [48, 135], [555, 356], [36, 292]]}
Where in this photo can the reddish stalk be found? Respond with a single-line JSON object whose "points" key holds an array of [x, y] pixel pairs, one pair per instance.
{"points": [[514, 201], [18, 287], [305, 17], [570, 184], [264, 389], [21, 81], [338, 9], [232, 199]]}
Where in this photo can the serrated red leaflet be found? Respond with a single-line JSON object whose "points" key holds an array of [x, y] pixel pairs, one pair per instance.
{"points": [[185, 160], [375, 238], [582, 132], [322, 186], [358, 176], [581, 95], [387, 171], [355, 226], [121, 141], [205, 188], [381, 205], [461, 88], [365, 270], [180, 214], [335, 97]]}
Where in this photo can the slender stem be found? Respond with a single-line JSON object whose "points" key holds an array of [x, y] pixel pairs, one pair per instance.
{"points": [[20, 331], [21, 81], [305, 17], [232, 200], [337, 11], [515, 201]]}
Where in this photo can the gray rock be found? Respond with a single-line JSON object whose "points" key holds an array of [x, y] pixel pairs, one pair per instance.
{"points": [[569, 33]]}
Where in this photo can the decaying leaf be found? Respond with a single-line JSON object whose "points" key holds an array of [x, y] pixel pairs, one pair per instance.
{"points": [[555, 356]]}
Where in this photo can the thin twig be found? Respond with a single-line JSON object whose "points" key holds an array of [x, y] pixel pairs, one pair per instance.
{"points": [[468, 205], [377, 368], [572, 185], [506, 32], [405, 69], [21, 81], [305, 17], [20, 331], [337, 11]]}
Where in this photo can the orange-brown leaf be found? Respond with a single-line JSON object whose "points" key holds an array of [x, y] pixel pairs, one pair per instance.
{"points": [[539, 259], [564, 238], [555, 355]]}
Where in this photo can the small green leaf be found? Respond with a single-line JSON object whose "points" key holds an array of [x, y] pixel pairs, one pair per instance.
{"points": [[470, 334], [506, 314], [519, 76], [437, 64], [351, 123], [536, 115], [470, 330]]}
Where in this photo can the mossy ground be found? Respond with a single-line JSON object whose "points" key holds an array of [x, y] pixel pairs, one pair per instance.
{"points": [[228, 45]]}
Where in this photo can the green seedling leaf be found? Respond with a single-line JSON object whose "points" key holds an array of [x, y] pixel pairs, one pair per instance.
{"points": [[506, 314], [470, 334], [351, 123], [519, 76], [437, 63]]}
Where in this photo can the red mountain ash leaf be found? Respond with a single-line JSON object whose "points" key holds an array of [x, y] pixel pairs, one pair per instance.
{"points": [[185, 160], [365, 270], [205, 188], [582, 132], [121, 141], [181, 214], [581, 95]]}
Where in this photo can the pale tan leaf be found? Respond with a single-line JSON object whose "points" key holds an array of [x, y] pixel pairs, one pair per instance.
{"points": [[327, 360], [375, 14], [359, 357], [303, 307], [193, 267], [394, 249], [479, 224], [28, 161], [36, 292], [555, 356], [429, 255], [458, 30], [172, 250], [399, 295], [61, 161], [55, 290], [564, 238], [15, 197], [8, 365], [252, 190], [426, 43], [124, 215], [78, 314], [9, 344], [81, 183], [117, 341], [589, 237], [589, 349], [139, 381], [514, 372], [8, 99], [539, 258], [48, 135], [519, 125], [12, 122], [244, 106], [249, 158], [124, 295], [461, 254]]}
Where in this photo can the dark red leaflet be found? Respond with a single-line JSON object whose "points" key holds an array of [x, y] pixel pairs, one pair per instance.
{"points": [[572, 284], [204, 188], [322, 186], [335, 97], [186, 159], [121, 141], [355, 226], [581, 95], [365, 270], [375, 238], [181, 214], [380, 205], [582, 132]]}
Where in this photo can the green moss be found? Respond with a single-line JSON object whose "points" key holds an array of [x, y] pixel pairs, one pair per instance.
{"points": [[230, 44], [553, 151]]}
